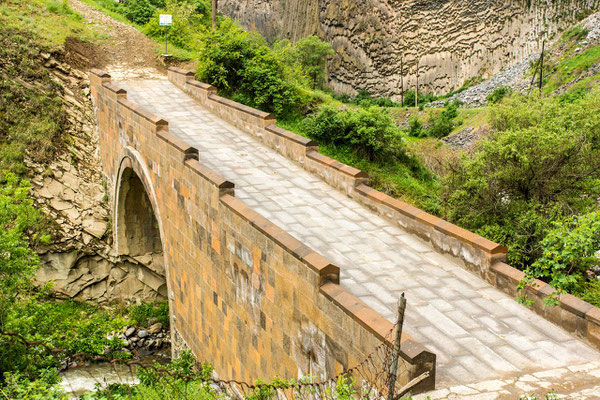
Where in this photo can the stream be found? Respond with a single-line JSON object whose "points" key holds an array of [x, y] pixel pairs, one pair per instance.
{"points": [[79, 380]]}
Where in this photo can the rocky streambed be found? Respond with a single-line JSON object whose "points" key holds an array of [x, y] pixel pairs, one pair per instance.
{"points": [[147, 346]]}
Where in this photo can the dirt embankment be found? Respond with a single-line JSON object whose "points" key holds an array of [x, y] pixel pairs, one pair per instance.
{"points": [[122, 51]]}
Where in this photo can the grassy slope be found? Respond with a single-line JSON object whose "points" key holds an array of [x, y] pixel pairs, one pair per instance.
{"points": [[567, 62]]}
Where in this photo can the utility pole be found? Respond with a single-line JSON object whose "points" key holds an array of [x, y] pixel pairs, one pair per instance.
{"points": [[417, 87], [393, 373], [542, 66], [402, 79], [214, 14]]}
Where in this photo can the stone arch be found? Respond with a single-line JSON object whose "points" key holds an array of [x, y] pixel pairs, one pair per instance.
{"points": [[138, 232]]}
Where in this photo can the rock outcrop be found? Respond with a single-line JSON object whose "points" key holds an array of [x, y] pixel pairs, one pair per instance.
{"points": [[451, 40]]}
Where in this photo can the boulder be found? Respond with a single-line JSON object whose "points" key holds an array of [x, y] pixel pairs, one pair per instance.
{"points": [[156, 328], [130, 331]]}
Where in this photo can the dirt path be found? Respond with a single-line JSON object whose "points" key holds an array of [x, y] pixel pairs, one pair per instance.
{"points": [[126, 53]]}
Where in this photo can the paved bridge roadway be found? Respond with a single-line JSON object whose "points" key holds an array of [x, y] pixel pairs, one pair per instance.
{"points": [[477, 332]]}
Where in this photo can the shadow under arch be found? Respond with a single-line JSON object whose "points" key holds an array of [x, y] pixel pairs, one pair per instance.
{"points": [[138, 231]]}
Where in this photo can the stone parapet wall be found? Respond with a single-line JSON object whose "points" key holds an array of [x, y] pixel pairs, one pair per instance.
{"points": [[244, 294], [475, 253], [263, 125], [573, 314]]}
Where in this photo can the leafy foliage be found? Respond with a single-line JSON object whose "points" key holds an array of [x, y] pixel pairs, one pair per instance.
{"points": [[189, 21], [18, 223], [423, 98], [145, 314], [441, 125], [370, 132], [20, 387], [312, 54], [241, 64], [498, 94], [540, 165], [569, 250]]}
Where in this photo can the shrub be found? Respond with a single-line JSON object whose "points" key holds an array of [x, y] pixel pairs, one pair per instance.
{"points": [[569, 250], [20, 387], [189, 19], [241, 63], [539, 166], [137, 11], [325, 126], [369, 132], [415, 127], [144, 313], [498, 94], [265, 87], [441, 125], [423, 98]]}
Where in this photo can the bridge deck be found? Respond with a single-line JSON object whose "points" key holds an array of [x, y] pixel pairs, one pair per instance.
{"points": [[476, 331]]}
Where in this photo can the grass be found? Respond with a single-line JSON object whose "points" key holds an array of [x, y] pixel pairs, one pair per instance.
{"points": [[33, 119], [568, 69], [52, 21]]}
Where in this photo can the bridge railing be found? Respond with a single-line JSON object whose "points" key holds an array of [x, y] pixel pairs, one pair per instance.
{"points": [[473, 252]]}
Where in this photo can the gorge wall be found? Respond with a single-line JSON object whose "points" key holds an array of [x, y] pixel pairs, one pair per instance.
{"points": [[451, 40]]}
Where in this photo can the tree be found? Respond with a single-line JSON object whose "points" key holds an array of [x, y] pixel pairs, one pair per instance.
{"points": [[214, 14], [312, 54]]}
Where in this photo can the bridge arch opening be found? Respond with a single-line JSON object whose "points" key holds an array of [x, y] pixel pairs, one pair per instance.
{"points": [[137, 232]]}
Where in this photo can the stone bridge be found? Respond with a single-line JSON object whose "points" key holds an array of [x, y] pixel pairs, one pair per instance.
{"points": [[281, 261]]}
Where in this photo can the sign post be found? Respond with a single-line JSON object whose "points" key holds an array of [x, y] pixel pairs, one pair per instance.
{"points": [[165, 20]]}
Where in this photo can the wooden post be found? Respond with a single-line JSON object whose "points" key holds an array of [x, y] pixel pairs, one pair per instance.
{"points": [[396, 354], [402, 79], [542, 66], [417, 87], [214, 14]]}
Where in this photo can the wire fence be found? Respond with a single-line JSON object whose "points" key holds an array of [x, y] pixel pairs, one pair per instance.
{"points": [[372, 378]]}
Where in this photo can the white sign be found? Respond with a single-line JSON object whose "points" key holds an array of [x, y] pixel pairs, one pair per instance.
{"points": [[165, 19]]}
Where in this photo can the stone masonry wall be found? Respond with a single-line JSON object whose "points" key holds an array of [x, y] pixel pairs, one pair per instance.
{"points": [[452, 40], [244, 295]]}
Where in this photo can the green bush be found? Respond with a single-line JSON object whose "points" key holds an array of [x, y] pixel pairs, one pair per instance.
{"points": [[189, 22], [146, 313], [19, 227], [312, 53], [539, 166], [137, 11], [20, 387], [498, 94], [241, 63], [441, 125], [569, 250], [423, 98], [415, 127], [370, 132]]}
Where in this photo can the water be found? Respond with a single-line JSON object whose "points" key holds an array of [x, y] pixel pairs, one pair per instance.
{"points": [[79, 380]]}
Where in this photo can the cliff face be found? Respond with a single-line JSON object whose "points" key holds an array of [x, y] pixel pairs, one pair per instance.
{"points": [[451, 40]]}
